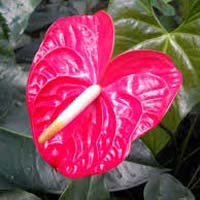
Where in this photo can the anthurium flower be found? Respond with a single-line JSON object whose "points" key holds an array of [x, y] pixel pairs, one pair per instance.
{"points": [[115, 100]]}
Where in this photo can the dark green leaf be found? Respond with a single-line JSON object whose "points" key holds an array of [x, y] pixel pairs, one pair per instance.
{"points": [[21, 165], [16, 118], [26, 53], [182, 155], [140, 165], [5, 184], [170, 22], [5, 48], [45, 14], [165, 187], [167, 1], [17, 195], [88, 188], [16, 14], [129, 174], [165, 8], [86, 6], [189, 9], [13, 114], [141, 154], [142, 30]]}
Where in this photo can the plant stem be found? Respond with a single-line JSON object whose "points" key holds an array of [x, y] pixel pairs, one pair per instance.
{"points": [[184, 146], [171, 134], [191, 154], [193, 177], [195, 184]]}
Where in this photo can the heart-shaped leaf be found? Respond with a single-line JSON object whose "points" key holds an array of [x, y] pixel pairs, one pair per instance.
{"points": [[137, 27]]}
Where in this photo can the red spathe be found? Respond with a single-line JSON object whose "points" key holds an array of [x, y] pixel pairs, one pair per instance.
{"points": [[137, 89]]}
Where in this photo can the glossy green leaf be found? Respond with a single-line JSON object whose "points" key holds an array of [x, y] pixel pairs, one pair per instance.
{"points": [[141, 154], [165, 187], [13, 114], [130, 174], [16, 13], [189, 9], [140, 29], [88, 188], [138, 168], [45, 14], [48, 12], [21, 165], [17, 195], [163, 7]]}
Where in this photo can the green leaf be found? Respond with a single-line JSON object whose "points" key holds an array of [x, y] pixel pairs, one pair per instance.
{"points": [[5, 48], [17, 195], [5, 184], [138, 168], [165, 187], [13, 114], [167, 1], [129, 174], [88, 188], [21, 165], [47, 13], [156, 139], [189, 9], [140, 29], [26, 53], [86, 6], [141, 154], [182, 153], [16, 13], [163, 7]]}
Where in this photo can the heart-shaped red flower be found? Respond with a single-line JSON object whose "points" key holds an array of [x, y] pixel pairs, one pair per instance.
{"points": [[137, 88]]}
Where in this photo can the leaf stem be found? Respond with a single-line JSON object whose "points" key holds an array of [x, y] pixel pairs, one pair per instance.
{"points": [[190, 185], [171, 134], [191, 154], [195, 184], [184, 146]]}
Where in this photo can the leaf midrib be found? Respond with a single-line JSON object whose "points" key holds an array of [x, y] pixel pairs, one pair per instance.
{"points": [[15, 133]]}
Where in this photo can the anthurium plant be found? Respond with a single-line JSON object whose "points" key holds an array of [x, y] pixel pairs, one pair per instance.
{"points": [[99, 99]]}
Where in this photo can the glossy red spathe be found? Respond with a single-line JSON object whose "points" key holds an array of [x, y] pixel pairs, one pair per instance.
{"points": [[137, 89]]}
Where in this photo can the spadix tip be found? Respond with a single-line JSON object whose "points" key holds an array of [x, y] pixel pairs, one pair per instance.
{"points": [[55, 127]]}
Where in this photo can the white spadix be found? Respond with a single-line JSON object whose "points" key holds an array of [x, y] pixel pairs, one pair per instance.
{"points": [[71, 112]]}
